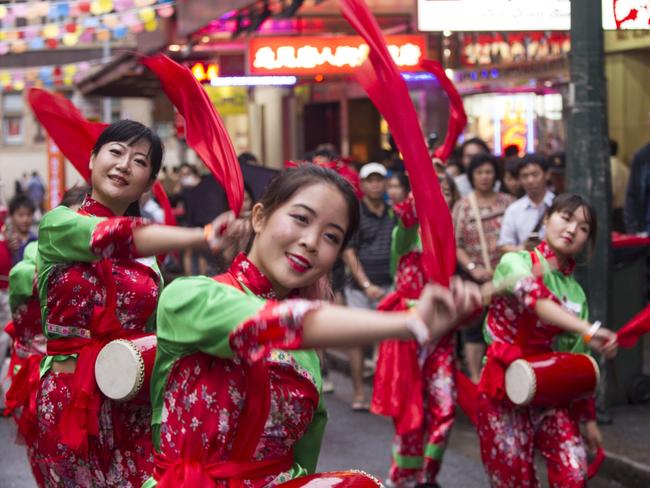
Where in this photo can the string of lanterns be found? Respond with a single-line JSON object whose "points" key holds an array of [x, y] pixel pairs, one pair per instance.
{"points": [[64, 75], [107, 20]]}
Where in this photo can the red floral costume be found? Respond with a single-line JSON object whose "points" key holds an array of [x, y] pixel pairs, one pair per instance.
{"points": [[28, 350], [92, 290], [420, 440], [509, 434], [232, 407]]}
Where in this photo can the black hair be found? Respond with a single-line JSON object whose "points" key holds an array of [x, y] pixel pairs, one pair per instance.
{"points": [[326, 150], [189, 166], [130, 132], [532, 158], [403, 180], [75, 195], [21, 201], [613, 147], [476, 141], [511, 167], [284, 185], [479, 160], [247, 158], [570, 202], [511, 150]]}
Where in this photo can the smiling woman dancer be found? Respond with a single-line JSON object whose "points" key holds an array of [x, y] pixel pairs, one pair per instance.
{"points": [[524, 323], [236, 395], [94, 287]]}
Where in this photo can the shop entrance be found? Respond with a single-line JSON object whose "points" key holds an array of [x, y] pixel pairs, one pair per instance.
{"points": [[322, 123], [364, 130]]}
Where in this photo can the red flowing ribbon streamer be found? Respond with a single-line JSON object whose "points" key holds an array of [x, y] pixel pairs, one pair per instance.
{"points": [[76, 136], [631, 332], [204, 129], [457, 115], [383, 83]]}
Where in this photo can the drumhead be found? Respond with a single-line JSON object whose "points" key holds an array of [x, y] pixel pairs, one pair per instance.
{"points": [[119, 370], [521, 384]]}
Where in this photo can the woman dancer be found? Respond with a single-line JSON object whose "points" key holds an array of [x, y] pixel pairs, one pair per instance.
{"points": [[234, 398], [535, 311], [93, 287], [417, 453]]}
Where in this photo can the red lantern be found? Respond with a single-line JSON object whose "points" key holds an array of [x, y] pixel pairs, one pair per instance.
{"points": [[84, 7], [71, 28], [52, 43]]}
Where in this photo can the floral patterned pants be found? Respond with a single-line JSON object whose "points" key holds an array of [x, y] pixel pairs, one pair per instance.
{"points": [[417, 455], [510, 434], [119, 457]]}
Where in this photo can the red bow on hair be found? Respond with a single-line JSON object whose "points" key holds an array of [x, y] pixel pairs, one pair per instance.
{"points": [[457, 115], [75, 136]]}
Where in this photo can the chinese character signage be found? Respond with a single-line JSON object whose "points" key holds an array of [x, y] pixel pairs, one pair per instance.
{"points": [[491, 49], [55, 174], [327, 55]]}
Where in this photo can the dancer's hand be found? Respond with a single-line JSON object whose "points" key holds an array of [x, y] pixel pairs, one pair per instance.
{"points": [[605, 342], [467, 297], [226, 232], [593, 437], [436, 308]]}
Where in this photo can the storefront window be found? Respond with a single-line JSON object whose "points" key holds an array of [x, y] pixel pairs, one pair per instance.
{"points": [[12, 119], [530, 121]]}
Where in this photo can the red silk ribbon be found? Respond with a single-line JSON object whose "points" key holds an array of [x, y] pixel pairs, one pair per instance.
{"points": [[631, 332], [205, 132], [385, 86], [457, 115]]}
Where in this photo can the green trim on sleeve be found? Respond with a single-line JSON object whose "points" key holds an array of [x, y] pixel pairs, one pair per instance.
{"points": [[434, 451], [21, 277]]}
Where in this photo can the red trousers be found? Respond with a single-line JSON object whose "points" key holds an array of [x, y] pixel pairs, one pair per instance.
{"points": [[417, 455], [119, 457], [509, 436]]}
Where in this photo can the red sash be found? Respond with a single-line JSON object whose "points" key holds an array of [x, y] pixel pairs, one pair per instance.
{"points": [[22, 393], [80, 417]]}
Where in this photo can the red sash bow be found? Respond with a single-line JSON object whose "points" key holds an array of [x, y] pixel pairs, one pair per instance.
{"points": [[23, 394], [188, 472]]}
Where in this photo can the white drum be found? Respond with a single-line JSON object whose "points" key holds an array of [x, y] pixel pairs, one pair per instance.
{"points": [[123, 368]]}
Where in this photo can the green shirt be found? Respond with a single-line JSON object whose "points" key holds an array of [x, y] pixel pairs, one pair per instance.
{"points": [[21, 277], [198, 314]]}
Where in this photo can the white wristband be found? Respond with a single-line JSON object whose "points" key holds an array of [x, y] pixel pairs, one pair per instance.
{"points": [[417, 327], [592, 330]]}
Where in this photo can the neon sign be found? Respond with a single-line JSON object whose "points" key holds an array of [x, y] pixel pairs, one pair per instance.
{"points": [[205, 72], [327, 55]]}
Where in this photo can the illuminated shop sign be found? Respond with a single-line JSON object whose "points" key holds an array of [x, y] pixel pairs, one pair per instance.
{"points": [[490, 49], [205, 72], [523, 15], [327, 55]]}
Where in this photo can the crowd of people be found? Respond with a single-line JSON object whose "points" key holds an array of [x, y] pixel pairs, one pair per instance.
{"points": [[325, 257]]}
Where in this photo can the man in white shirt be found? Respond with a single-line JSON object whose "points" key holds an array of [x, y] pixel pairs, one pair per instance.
{"points": [[469, 149], [521, 227]]}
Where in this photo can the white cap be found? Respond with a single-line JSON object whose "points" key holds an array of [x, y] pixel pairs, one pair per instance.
{"points": [[370, 168]]}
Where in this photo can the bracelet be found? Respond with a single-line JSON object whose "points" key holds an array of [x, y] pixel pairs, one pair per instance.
{"points": [[365, 285], [207, 232], [592, 330], [417, 327]]}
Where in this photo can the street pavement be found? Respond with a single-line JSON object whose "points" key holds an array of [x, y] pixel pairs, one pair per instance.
{"points": [[352, 440]]}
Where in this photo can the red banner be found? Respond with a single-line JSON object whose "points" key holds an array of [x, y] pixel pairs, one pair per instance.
{"points": [[55, 174]]}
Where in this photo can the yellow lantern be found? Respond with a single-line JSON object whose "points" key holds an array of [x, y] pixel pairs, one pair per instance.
{"points": [[19, 85], [95, 7], [105, 5], [151, 26], [51, 31], [69, 70], [3, 11], [147, 14], [5, 78], [70, 39]]}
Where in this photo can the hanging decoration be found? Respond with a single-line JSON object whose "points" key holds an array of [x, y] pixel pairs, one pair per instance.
{"points": [[64, 75], [69, 23]]}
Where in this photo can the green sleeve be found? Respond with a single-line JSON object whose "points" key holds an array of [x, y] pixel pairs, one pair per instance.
{"points": [[65, 235], [405, 240], [199, 313], [21, 277], [307, 449], [512, 267], [571, 342]]}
